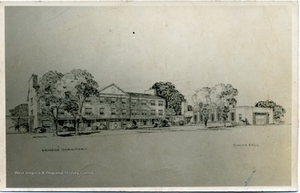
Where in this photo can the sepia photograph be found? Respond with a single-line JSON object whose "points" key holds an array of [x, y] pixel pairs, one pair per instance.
{"points": [[150, 96]]}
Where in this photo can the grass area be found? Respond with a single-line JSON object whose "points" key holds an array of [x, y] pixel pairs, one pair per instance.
{"points": [[176, 156]]}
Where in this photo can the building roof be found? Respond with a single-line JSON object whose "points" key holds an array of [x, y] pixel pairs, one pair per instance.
{"points": [[142, 95], [113, 84], [250, 107]]}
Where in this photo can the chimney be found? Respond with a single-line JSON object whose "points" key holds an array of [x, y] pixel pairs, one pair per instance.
{"points": [[183, 107]]}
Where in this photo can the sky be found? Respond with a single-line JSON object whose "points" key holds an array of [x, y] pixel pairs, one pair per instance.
{"points": [[249, 47]]}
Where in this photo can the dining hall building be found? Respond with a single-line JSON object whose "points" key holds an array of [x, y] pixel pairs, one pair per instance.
{"points": [[239, 115], [114, 108]]}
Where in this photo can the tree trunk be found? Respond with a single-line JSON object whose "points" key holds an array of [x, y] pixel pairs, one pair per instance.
{"points": [[80, 116], [205, 122], [77, 127], [55, 132], [55, 112], [74, 124], [224, 123]]}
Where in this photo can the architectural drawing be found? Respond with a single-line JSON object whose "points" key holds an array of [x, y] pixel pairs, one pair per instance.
{"points": [[161, 96], [112, 109]]}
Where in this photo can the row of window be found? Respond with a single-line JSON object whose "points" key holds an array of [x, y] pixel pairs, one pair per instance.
{"points": [[113, 100], [146, 112], [219, 118], [88, 111]]}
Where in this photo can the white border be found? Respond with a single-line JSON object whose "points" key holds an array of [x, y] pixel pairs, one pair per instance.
{"points": [[295, 76]]}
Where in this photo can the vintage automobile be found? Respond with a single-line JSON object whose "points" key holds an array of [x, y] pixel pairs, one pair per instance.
{"points": [[131, 125], [40, 130], [162, 123]]}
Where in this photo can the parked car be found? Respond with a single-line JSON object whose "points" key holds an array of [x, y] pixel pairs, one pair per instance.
{"points": [[162, 123], [66, 129], [40, 130], [181, 122], [131, 125]]}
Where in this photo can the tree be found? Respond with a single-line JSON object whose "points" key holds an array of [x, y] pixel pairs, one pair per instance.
{"points": [[71, 107], [172, 96], [218, 98], [79, 85], [51, 96], [225, 98], [202, 103], [278, 110], [20, 111]]}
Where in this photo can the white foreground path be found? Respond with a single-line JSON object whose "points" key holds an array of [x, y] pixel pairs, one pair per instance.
{"points": [[187, 156]]}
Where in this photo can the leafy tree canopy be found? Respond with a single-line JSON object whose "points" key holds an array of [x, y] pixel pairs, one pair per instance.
{"points": [[77, 85], [52, 97], [278, 110], [48, 90], [173, 97], [20, 110], [218, 98]]}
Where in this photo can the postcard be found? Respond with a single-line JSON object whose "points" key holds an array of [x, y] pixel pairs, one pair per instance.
{"points": [[149, 96]]}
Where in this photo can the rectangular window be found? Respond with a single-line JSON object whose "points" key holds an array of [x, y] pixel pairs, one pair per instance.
{"points": [[101, 99], [60, 122], [89, 123], [160, 112], [232, 116], [144, 112], [152, 102], [212, 117], [133, 101], [46, 123], [88, 111], [124, 111], [144, 102], [195, 118], [153, 112], [113, 100], [31, 101], [240, 117], [160, 103], [113, 111], [124, 101], [134, 112], [145, 122], [31, 112], [219, 116], [101, 111]]}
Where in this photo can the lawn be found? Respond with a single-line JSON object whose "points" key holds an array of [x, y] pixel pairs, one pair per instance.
{"points": [[186, 156]]}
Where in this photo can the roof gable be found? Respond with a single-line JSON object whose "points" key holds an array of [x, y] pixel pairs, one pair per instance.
{"points": [[112, 89]]}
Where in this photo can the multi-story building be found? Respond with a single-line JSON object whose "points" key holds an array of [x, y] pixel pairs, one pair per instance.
{"points": [[32, 100], [112, 109]]}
